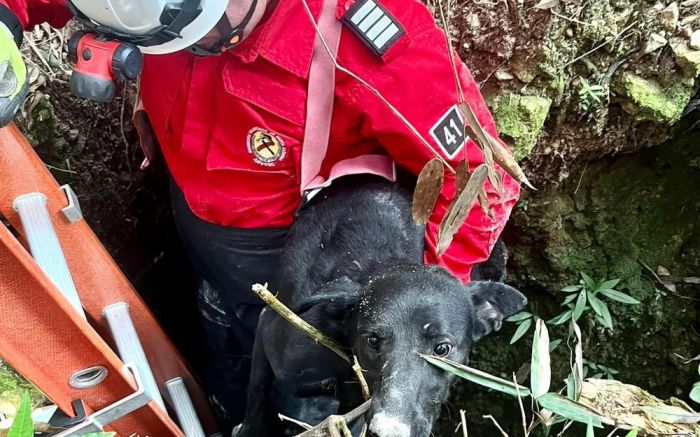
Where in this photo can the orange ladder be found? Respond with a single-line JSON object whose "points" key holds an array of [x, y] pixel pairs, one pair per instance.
{"points": [[46, 340]]}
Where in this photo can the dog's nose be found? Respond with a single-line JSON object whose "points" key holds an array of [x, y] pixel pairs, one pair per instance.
{"points": [[384, 425]]}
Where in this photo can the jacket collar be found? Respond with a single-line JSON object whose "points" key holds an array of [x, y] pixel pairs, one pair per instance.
{"points": [[286, 38]]}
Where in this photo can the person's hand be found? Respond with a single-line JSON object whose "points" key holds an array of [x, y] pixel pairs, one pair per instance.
{"points": [[13, 77]]}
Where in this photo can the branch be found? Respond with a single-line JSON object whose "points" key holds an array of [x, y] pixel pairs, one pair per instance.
{"points": [[336, 426]]}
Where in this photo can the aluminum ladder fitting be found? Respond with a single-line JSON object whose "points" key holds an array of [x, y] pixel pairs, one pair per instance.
{"points": [[43, 242]]}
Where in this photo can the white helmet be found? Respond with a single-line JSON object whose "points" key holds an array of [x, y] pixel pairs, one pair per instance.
{"points": [[156, 26]]}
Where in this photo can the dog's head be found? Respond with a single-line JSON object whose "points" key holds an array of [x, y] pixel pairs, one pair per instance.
{"points": [[410, 311]]}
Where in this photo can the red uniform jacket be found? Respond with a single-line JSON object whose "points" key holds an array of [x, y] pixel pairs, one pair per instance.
{"points": [[231, 127]]}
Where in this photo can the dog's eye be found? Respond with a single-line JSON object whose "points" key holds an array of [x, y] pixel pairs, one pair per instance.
{"points": [[442, 350], [373, 341]]}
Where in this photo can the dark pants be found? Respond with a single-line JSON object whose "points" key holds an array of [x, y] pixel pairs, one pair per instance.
{"points": [[227, 261]]}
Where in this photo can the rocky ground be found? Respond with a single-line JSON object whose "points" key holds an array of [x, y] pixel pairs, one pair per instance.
{"points": [[589, 94]]}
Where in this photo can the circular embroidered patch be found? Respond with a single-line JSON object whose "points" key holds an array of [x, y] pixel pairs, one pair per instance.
{"points": [[267, 147]]}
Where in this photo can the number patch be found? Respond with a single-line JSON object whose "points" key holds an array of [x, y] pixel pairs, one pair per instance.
{"points": [[449, 132]]}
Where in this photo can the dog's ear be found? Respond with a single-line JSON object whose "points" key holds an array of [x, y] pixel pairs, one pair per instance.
{"points": [[493, 302], [336, 299]]}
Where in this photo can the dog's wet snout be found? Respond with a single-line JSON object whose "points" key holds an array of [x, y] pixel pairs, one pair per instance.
{"points": [[385, 425]]}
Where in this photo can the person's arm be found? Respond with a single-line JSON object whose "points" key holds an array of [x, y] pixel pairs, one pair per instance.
{"points": [[33, 12], [416, 76]]}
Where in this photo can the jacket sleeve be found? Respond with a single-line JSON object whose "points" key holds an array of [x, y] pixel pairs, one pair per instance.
{"points": [[33, 12], [417, 78]]}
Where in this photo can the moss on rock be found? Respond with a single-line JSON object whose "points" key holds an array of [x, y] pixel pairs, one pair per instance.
{"points": [[649, 100], [521, 118]]}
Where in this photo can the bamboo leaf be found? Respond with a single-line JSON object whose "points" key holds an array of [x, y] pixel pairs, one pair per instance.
{"points": [[487, 142], [460, 208], [588, 281], [632, 433], [577, 370], [589, 431], [461, 177], [569, 409], [671, 414], [609, 284], [546, 4], [22, 425], [571, 288], [580, 305], [695, 392], [477, 376], [427, 190], [561, 318], [540, 370], [620, 296], [570, 298], [555, 344], [522, 315], [522, 330], [601, 309]]}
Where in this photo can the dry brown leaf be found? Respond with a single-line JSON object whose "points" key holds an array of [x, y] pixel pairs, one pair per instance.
{"points": [[460, 207], [487, 142], [427, 190], [462, 177], [546, 4], [485, 205]]}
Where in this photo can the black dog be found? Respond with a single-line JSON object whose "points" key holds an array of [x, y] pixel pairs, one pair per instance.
{"points": [[353, 268]]}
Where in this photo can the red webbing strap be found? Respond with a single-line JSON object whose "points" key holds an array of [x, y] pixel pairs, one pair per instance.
{"points": [[98, 279], [45, 339]]}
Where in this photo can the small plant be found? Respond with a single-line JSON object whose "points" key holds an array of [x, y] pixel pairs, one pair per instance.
{"points": [[22, 425], [599, 371], [587, 295], [695, 391], [590, 94], [524, 320]]}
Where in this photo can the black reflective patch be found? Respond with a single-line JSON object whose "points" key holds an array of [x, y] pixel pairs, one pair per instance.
{"points": [[375, 26], [449, 132]]}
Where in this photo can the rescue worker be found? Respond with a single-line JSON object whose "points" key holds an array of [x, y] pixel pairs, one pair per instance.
{"points": [[228, 104]]}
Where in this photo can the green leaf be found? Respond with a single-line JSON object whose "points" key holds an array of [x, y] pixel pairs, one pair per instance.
{"points": [[477, 376], [588, 281], [580, 305], [619, 296], [570, 298], [589, 431], [608, 285], [565, 407], [671, 414], [523, 315], [695, 392], [540, 370], [571, 288], [561, 318], [632, 433], [522, 329], [554, 344], [601, 309], [22, 425]]}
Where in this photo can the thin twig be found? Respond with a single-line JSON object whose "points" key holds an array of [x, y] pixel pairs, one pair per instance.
{"points": [[581, 178], [324, 428], [522, 408], [294, 421], [564, 17], [464, 423], [361, 377], [263, 293], [503, 433], [374, 91], [599, 46], [59, 169]]}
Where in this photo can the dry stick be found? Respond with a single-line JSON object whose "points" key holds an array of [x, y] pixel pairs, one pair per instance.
{"points": [[503, 433], [464, 424], [263, 293], [522, 408], [301, 424], [325, 428], [374, 91]]}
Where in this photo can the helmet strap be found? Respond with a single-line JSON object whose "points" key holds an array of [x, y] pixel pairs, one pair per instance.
{"points": [[234, 35]]}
